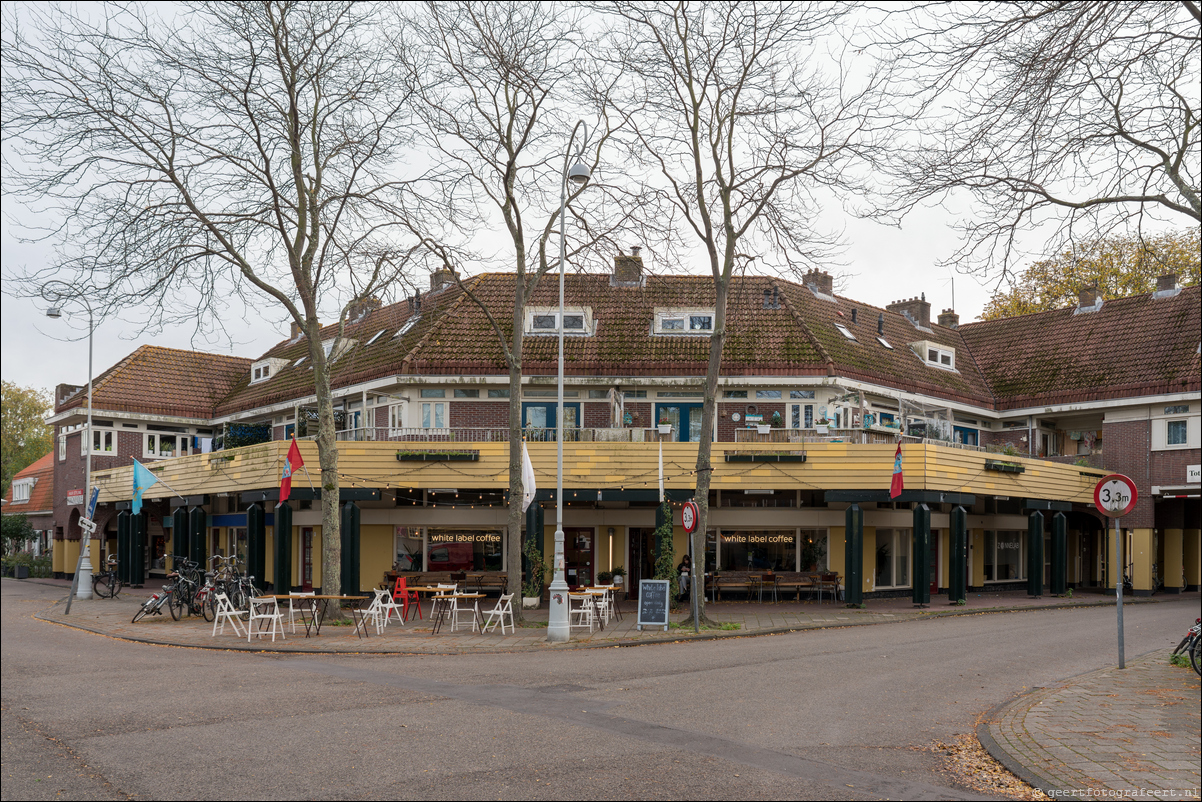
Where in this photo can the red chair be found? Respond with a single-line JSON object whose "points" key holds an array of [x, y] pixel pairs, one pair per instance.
{"points": [[405, 596]]}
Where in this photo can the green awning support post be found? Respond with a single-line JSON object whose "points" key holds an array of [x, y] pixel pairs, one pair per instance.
{"points": [[256, 545], [1035, 554], [124, 558], [138, 525], [922, 555], [957, 573], [179, 536], [282, 549], [198, 520], [1059, 554], [351, 516], [535, 527], [853, 560]]}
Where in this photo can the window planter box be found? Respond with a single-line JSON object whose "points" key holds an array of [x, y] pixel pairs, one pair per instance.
{"points": [[438, 456], [1003, 467]]}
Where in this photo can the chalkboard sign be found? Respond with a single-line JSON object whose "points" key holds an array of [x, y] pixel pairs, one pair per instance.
{"points": [[653, 603]]}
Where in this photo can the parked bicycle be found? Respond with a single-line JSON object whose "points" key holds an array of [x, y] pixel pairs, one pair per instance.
{"points": [[1191, 644], [106, 584], [187, 586], [154, 605]]}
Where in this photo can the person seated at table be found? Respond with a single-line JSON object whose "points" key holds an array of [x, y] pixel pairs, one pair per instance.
{"points": [[686, 565]]}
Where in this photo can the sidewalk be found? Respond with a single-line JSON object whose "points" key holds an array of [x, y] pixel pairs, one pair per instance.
{"points": [[112, 617], [1109, 733]]}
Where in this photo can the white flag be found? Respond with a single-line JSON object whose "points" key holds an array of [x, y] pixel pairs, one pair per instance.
{"points": [[529, 487]]}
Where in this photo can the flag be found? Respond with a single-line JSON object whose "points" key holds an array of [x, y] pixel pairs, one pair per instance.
{"points": [[291, 463], [143, 480], [529, 486], [898, 484]]}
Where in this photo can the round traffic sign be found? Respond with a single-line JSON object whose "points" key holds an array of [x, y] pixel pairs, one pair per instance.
{"points": [[1115, 495], [688, 516]]}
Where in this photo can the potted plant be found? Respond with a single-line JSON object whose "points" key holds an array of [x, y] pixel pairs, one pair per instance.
{"points": [[822, 426], [777, 421], [665, 425], [605, 577], [536, 575], [618, 573]]}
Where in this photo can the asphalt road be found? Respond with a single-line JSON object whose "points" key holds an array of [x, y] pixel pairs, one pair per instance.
{"points": [[827, 714]]}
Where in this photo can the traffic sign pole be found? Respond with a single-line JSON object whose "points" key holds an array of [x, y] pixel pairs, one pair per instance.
{"points": [[1115, 496]]}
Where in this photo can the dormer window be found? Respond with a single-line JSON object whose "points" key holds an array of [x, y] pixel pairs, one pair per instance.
{"points": [[545, 320], [936, 355], [344, 345], [264, 369], [684, 321]]}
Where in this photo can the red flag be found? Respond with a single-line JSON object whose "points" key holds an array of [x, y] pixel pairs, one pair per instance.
{"points": [[291, 463], [898, 484]]}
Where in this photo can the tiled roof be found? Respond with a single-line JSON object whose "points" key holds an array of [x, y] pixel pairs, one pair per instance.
{"points": [[1142, 345], [41, 496], [453, 337], [164, 381]]}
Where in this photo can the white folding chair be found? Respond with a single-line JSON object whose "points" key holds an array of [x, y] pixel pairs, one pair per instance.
{"points": [[445, 609], [470, 607], [601, 603], [226, 614], [295, 607], [374, 614], [266, 612], [581, 611], [388, 606], [503, 609]]}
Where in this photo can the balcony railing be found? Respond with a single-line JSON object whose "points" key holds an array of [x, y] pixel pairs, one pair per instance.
{"points": [[812, 436], [477, 434]]}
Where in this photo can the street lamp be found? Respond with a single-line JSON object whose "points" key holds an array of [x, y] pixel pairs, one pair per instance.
{"points": [[83, 572], [558, 626]]}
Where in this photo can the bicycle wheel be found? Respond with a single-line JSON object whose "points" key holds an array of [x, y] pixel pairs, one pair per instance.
{"points": [[177, 603], [1195, 655], [143, 610], [208, 605], [102, 586]]}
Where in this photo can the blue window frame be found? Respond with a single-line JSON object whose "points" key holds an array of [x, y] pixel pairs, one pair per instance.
{"points": [[685, 420], [540, 421]]}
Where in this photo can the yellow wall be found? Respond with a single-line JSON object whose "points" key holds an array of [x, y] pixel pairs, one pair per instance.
{"points": [[375, 554], [269, 566], [1192, 547], [945, 558], [976, 537], [836, 549], [59, 556], [1142, 556], [70, 552], [869, 577], [1174, 558]]}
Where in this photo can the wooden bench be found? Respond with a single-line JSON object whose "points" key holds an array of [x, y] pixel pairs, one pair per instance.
{"points": [[785, 581]]}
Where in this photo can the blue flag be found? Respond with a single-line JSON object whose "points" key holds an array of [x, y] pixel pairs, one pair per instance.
{"points": [[143, 480]]}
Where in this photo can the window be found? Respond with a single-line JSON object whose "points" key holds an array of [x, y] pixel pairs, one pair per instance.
{"points": [[941, 358], [767, 393], [845, 332], [410, 323], [545, 320], [735, 394], [774, 550], [434, 416], [299, 362], [634, 394], [467, 393], [22, 488], [62, 448], [396, 419], [1004, 555], [892, 558], [598, 393], [884, 342], [1177, 409], [684, 321], [681, 394], [498, 393], [428, 393], [104, 442], [161, 446], [1177, 433], [375, 336], [801, 416], [801, 394], [573, 322]]}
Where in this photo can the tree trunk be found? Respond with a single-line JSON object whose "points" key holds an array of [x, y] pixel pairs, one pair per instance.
{"points": [[513, 547], [327, 456]]}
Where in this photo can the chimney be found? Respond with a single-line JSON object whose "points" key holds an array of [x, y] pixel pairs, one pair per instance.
{"points": [[362, 308], [819, 282], [628, 270], [1166, 283], [442, 277], [295, 331], [949, 319], [880, 324], [918, 310], [1087, 297], [853, 314]]}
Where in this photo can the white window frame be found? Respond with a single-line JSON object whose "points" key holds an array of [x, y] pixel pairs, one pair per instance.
{"points": [[585, 313], [396, 419], [434, 415], [104, 441], [154, 451], [62, 448], [846, 332], [23, 490], [1022, 554], [797, 414], [1168, 424], [906, 538], [685, 317]]}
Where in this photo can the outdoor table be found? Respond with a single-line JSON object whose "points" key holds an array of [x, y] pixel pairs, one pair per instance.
{"points": [[320, 607], [612, 590], [478, 579], [436, 614], [427, 589]]}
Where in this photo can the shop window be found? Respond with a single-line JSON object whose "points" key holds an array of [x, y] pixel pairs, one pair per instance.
{"points": [[769, 549], [1004, 555], [464, 550], [892, 558]]}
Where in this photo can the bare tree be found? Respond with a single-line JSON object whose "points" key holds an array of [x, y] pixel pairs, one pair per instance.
{"points": [[196, 163], [744, 120], [502, 86], [1081, 116]]}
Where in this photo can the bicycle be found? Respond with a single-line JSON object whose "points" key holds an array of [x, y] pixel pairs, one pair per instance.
{"points": [[1192, 645], [106, 584], [183, 596], [154, 605]]}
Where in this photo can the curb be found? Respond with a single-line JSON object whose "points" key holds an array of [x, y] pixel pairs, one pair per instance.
{"points": [[683, 638], [1007, 760]]}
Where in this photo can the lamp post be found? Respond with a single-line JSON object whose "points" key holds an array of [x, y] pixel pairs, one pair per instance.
{"points": [[558, 627], [83, 571]]}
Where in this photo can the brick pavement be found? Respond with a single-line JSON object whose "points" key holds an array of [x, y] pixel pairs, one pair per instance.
{"points": [[1108, 733]]}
